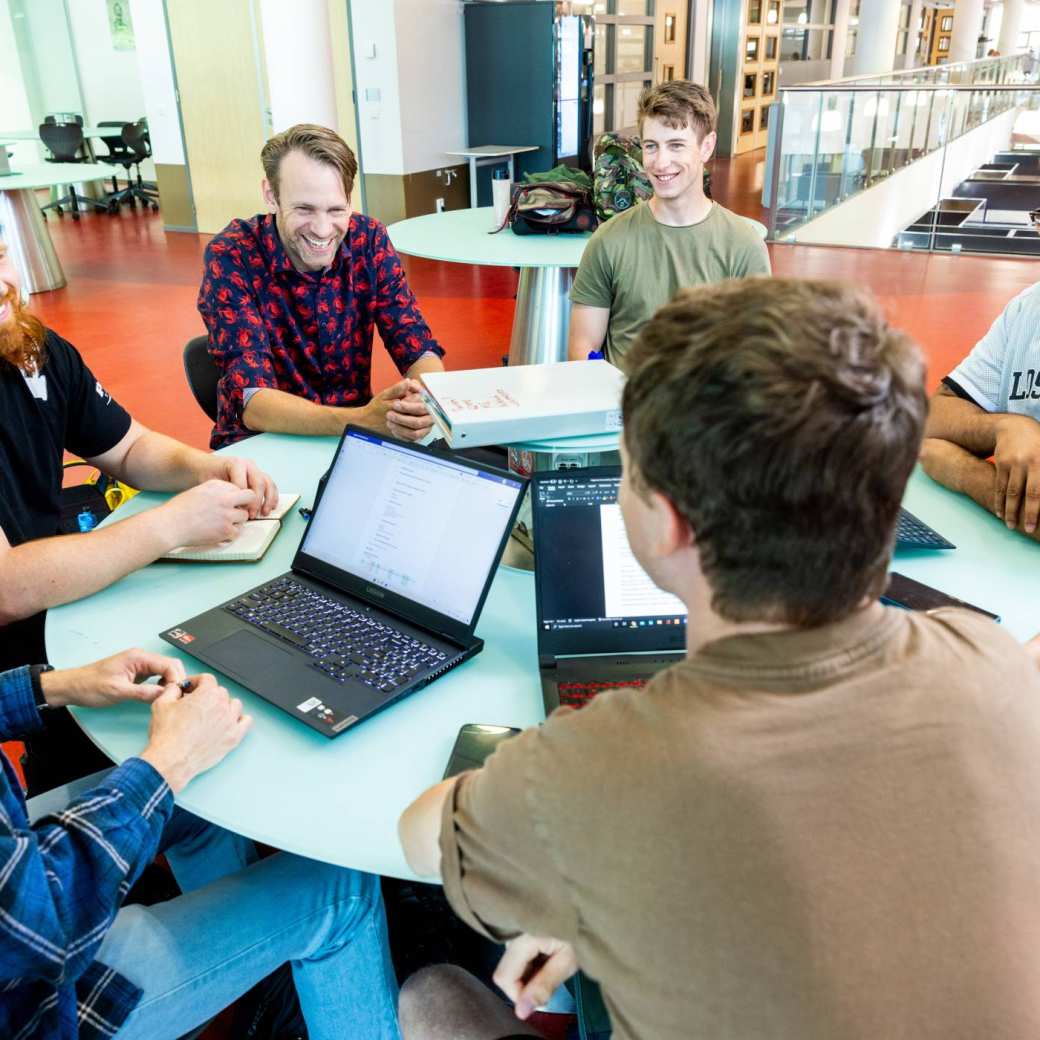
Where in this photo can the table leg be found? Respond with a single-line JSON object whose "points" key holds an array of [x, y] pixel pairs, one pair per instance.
{"points": [[472, 182], [542, 316], [29, 241]]}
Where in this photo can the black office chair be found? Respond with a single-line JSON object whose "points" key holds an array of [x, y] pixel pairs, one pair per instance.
{"points": [[65, 143], [119, 154], [202, 374], [135, 137], [64, 119]]}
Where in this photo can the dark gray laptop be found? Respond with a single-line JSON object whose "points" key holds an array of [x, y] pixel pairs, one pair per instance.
{"points": [[385, 589], [602, 622]]}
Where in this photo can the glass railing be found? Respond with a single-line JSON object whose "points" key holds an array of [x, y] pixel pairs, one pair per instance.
{"points": [[922, 138]]}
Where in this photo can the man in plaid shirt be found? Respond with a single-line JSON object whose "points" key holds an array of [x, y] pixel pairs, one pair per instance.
{"points": [[73, 963]]}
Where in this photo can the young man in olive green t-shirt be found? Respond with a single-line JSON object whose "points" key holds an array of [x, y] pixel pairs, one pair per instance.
{"points": [[637, 261]]}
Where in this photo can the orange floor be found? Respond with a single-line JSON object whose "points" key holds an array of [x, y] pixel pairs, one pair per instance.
{"points": [[130, 302]]}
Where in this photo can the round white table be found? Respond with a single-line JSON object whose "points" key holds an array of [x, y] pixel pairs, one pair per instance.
{"points": [[547, 264], [25, 230], [339, 800]]}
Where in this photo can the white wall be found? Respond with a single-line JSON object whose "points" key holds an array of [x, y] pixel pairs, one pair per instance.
{"points": [[299, 62], [14, 105], [109, 78], [874, 217], [409, 63], [431, 60], [52, 48], [155, 72]]}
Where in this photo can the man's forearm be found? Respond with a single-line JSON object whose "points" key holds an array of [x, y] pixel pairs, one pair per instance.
{"points": [[951, 418], [156, 462], [51, 571], [274, 411]]}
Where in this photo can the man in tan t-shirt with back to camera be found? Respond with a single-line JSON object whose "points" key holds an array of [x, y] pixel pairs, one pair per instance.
{"points": [[824, 823], [636, 261]]}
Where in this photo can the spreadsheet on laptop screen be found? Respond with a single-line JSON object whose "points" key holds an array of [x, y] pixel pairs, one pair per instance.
{"points": [[417, 524]]}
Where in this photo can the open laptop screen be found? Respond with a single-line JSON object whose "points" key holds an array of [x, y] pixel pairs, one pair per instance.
{"points": [[592, 593], [413, 522]]}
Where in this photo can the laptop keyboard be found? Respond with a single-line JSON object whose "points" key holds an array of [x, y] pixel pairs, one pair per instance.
{"points": [[578, 694], [345, 643], [912, 533]]}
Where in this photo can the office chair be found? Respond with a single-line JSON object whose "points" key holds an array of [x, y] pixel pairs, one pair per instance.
{"points": [[64, 141], [64, 119], [202, 374], [135, 137], [118, 154]]}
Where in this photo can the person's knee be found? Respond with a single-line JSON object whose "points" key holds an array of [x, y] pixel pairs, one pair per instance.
{"points": [[429, 1001]]}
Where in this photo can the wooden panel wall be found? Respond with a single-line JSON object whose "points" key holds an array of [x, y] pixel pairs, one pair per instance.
{"points": [[214, 54]]}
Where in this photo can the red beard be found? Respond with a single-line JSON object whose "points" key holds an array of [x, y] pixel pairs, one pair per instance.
{"points": [[22, 336]]}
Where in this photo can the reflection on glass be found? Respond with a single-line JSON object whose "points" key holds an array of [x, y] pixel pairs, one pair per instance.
{"points": [[763, 117], [947, 23], [633, 48], [626, 104], [600, 48], [747, 121], [795, 12], [754, 12], [768, 83], [773, 14], [771, 42], [642, 7], [750, 83], [751, 49]]}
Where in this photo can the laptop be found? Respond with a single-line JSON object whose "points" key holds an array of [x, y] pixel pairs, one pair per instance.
{"points": [[385, 589], [602, 623], [912, 533]]}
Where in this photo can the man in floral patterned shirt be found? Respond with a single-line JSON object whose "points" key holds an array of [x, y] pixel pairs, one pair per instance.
{"points": [[290, 299]]}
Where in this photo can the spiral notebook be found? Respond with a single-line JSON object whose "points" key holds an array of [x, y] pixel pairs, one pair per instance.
{"points": [[249, 546]]}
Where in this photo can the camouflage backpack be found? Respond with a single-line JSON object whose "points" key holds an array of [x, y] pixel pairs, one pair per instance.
{"points": [[618, 178]]}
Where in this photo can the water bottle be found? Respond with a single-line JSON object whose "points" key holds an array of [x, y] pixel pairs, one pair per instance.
{"points": [[501, 194], [86, 520]]}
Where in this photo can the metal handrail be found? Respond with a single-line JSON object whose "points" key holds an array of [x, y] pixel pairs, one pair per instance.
{"points": [[829, 88]]}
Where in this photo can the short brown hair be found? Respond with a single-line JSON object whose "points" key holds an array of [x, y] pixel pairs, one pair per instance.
{"points": [[316, 142], [782, 418], [678, 103]]}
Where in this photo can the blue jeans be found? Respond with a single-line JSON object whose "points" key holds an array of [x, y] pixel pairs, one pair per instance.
{"points": [[194, 955]]}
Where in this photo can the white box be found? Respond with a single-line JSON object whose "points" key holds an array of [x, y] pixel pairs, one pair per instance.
{"points": [[524, 402]]}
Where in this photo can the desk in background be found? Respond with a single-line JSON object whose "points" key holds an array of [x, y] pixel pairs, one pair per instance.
{"points": [[547, 264], [339, 800], [25, 230]]}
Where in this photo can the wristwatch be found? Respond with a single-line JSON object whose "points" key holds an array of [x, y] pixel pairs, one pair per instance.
{"points": [[35, 671]]}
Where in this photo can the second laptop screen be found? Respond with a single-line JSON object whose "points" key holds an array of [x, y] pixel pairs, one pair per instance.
{"points": [[416, 524]]}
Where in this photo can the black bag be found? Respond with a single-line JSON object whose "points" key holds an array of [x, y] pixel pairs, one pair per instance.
{"points": [[551, 208], [82, 499]]}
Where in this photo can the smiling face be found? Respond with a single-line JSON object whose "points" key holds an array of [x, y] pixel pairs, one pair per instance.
{"points": [[9, 289], [674, 158], [312, 211]]}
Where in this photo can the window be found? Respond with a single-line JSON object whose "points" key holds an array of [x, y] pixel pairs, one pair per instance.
{"points": [[901, 39], [944, 43], [763, 117], [768, 83], [747, 121], [751, 49], [750, 83], [771, 42], [669, 28], [754, 12], [850, 43], [773, 15], [667, 73], [947, 23]]}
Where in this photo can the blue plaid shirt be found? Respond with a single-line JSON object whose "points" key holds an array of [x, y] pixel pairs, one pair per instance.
{"points": [[62, 881]]}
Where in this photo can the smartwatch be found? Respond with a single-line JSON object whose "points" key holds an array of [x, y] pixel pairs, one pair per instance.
{"points": [[35, 671]]}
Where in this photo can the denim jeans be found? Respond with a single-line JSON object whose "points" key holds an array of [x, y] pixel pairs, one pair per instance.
{"points": [[194, 955]]}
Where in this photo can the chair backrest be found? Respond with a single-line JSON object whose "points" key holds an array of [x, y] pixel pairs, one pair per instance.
{"points": [[63, 141], [202, 374], [135, 136], [117, 147]]}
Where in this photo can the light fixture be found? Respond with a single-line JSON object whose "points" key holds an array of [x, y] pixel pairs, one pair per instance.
{"points": [[803, 18]]}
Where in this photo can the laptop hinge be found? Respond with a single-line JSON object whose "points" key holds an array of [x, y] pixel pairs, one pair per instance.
{"points": [[546, 661]]}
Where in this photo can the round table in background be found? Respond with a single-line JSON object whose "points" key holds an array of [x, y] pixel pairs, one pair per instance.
{"points": [[25, 230], [547, 264]]}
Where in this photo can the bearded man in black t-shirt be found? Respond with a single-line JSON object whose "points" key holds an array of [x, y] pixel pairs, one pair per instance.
{"points": [[50, 402]]}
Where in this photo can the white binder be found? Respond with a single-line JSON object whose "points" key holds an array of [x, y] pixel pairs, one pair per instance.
{"points": [[524, 402]]}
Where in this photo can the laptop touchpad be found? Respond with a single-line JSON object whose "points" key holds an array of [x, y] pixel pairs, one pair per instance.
{"points": [[243, 654]]}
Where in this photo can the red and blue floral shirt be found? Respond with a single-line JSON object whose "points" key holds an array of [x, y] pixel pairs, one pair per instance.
{"points": [[308, 334]]}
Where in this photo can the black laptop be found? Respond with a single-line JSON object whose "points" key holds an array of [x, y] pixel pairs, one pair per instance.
{"points": [[602, 623], [385, 589]]}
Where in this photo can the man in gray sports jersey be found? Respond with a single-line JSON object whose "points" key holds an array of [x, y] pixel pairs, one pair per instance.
{"points": [[989, 405]]}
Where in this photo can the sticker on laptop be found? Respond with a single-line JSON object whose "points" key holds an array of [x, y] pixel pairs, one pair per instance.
{"points": [[308, 705], [181, 636]]}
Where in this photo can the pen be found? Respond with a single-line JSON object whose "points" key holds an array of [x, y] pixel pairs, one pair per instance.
{"points": [[305, 512]]}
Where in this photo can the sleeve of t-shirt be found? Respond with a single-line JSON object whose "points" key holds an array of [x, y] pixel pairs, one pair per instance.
{"points": [[497, 845], [96, 421], [978, 377], [752, 259], [593, 285]]}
